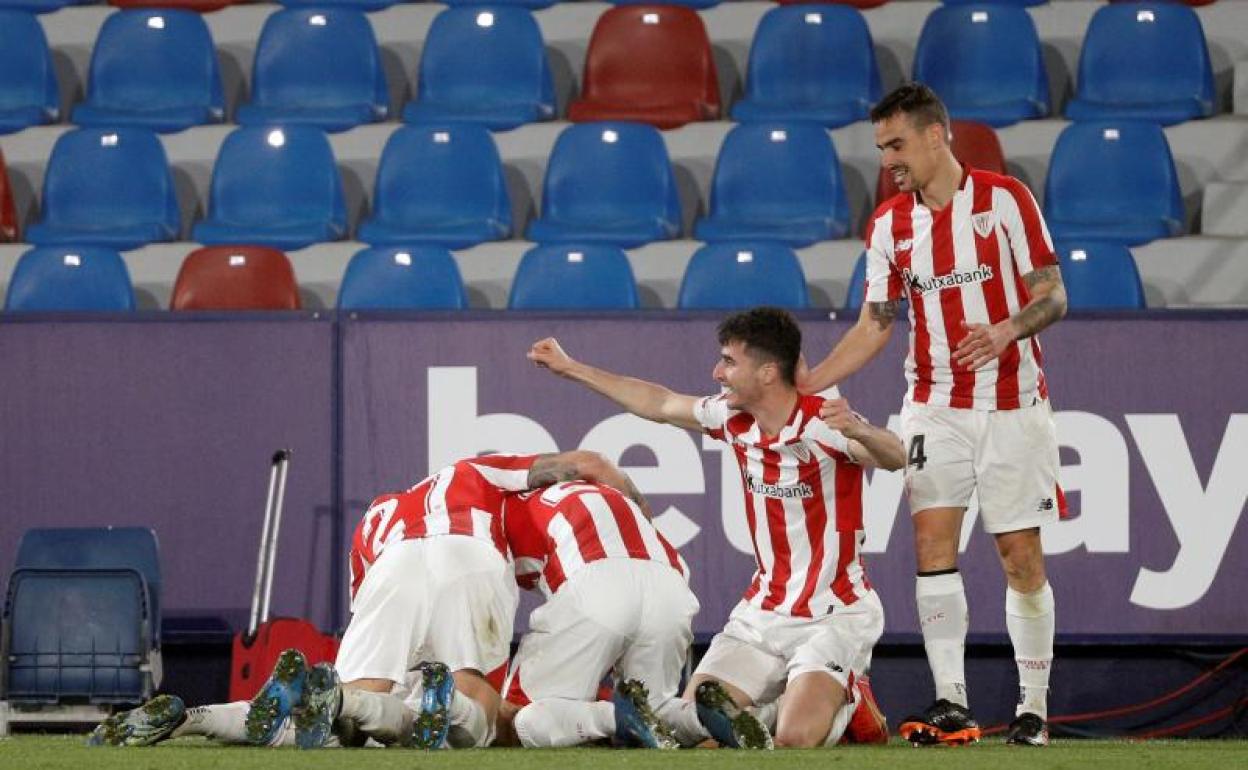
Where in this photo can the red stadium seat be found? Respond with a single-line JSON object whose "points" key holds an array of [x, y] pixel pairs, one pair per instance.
{"points": [[648, 64], [973, 143], [9, 230], [235, 278], [199, 6]]}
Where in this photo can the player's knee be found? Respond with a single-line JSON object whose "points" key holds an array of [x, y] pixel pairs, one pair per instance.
{"points": [[934, 552], [800, 736], [531, 727]]}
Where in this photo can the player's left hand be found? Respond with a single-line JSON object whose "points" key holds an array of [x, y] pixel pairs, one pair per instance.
{"points": [[837, 415], [983, 343]]}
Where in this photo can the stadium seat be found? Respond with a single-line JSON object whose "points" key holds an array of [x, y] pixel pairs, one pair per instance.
{"points": [[998, 75], [40, 6], [810, 63], [59, 278], [440, 185], [725, 276], [776, 181], [318, 67], [359, 5], [1019, 3], [1144, 61], [856, 292], [974, 144], [10, 228], [1113, 181], [29, 95], [608, 183], [1100, 276], [275, 187], [483, 65], [574, 277], [235, 278], [106, 187], [686, 3], [154, 69], [863, 4], [532, 5], [648, 64], [198, 6], [402, 278]]}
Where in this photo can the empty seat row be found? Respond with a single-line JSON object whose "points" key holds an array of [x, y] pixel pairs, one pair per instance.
{"points": [[604, 183], [652, 64]]}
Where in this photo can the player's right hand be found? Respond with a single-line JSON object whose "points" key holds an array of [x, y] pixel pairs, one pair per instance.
{"points": [[548, 354]]}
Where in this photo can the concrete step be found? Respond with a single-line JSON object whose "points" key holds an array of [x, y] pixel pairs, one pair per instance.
{"points": [[1239, 88], [1224, 210]]}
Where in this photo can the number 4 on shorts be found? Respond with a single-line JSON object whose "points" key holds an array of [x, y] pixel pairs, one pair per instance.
{"points": [[915, 456]]}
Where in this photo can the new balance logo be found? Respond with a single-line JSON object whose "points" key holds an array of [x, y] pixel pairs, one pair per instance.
{"points": [[833, 667], [1045, 505], [905, 244]]}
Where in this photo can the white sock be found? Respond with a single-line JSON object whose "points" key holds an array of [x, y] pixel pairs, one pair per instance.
{"points": [[381, 716], [225, 722], [1030, 619], [469, 726], [682, 716], [840, 721], [557, 723], [944, 619], [768, 714]]}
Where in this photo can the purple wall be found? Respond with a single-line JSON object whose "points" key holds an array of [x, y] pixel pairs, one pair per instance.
{"points": [[170, 423]]}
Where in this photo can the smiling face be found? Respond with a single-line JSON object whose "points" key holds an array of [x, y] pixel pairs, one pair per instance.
{"points": [[742, 374], [911, 155]]}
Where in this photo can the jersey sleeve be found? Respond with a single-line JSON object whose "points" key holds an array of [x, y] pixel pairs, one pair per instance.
{"points": [[712, 414], [1030, 243], [883, 282], [510, 473]]}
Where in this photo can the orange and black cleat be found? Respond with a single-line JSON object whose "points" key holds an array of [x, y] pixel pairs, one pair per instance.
{"points": [[944, 723]]}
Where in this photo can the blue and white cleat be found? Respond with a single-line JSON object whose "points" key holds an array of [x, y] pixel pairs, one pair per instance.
{"points": [[322, 700], [278, 699], [146, 725], [731, 726], [636, 725], [433, 723]]}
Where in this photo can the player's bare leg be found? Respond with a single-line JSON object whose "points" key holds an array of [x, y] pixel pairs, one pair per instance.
{"points": [[812, 702], [944, 620], [1030, 619]]}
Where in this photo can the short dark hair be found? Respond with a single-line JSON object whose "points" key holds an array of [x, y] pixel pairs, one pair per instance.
{"points": [[771, 332], [915, 100]]}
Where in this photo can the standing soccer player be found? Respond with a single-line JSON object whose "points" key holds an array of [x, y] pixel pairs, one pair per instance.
{"points": [[970, 252], [810, 618]]}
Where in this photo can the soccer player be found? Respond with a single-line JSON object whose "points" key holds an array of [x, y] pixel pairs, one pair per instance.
{"points": [[971, 254], [809, 618], [618, 600]]}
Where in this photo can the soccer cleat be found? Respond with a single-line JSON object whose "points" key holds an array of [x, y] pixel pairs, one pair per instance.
{"points": [[636, 724], [731, 726], [1028, 730], [944, 722], [430, 728], [279, 697], [322, 700], [146, 725], [867, 725]]}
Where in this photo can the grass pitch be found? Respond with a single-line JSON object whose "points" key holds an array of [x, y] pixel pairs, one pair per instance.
{"points": [[30, 752]]}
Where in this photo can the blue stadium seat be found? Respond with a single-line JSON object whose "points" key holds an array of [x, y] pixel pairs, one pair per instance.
{"points": [[1113, 181], [1144, 61], [359, 5], [687, 3], [1019, 3], [856, 292], [810, 63], [40, 6], [997, 76], [776, 181], [484, 65], [318, 67], [276, 187], [739, 275], [608, 183], [574, 277], [107, 187], [154, 68], [1100, 275], [441, 185], [28, 92], [402, 278], [532, 5], [56, 278]]}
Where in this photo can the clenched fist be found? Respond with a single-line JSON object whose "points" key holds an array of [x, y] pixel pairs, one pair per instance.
{"points": [[548, 354], [837, 415]]}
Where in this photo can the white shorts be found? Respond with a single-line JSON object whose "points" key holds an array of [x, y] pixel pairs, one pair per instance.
{"points": [[450, 598], [631, 615], [760, 652], [1010, 456]]}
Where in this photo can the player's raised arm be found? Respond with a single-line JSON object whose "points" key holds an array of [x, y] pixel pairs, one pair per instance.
{"points": [[869, 445], [863, 341], [642, 398], [585, 466]]}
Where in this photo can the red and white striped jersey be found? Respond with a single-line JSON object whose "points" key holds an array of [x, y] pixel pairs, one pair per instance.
{"points": [[803, 505], [462, 499], [556, 531], [964, 263]]}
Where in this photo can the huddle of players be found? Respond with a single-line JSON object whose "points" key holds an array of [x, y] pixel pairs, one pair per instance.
{"points": [[434, 589]]}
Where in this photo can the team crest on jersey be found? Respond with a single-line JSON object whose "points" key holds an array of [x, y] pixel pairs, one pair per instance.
{"points": [[983, 224], [905, 244], [803, 454]]}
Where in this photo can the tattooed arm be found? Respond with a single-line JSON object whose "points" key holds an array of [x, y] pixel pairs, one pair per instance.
{"points": [[866, 339], [585, 466], [1047, 304]]}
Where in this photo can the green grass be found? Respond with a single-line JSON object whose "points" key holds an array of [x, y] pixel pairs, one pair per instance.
{"points": [[29, 752]]}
